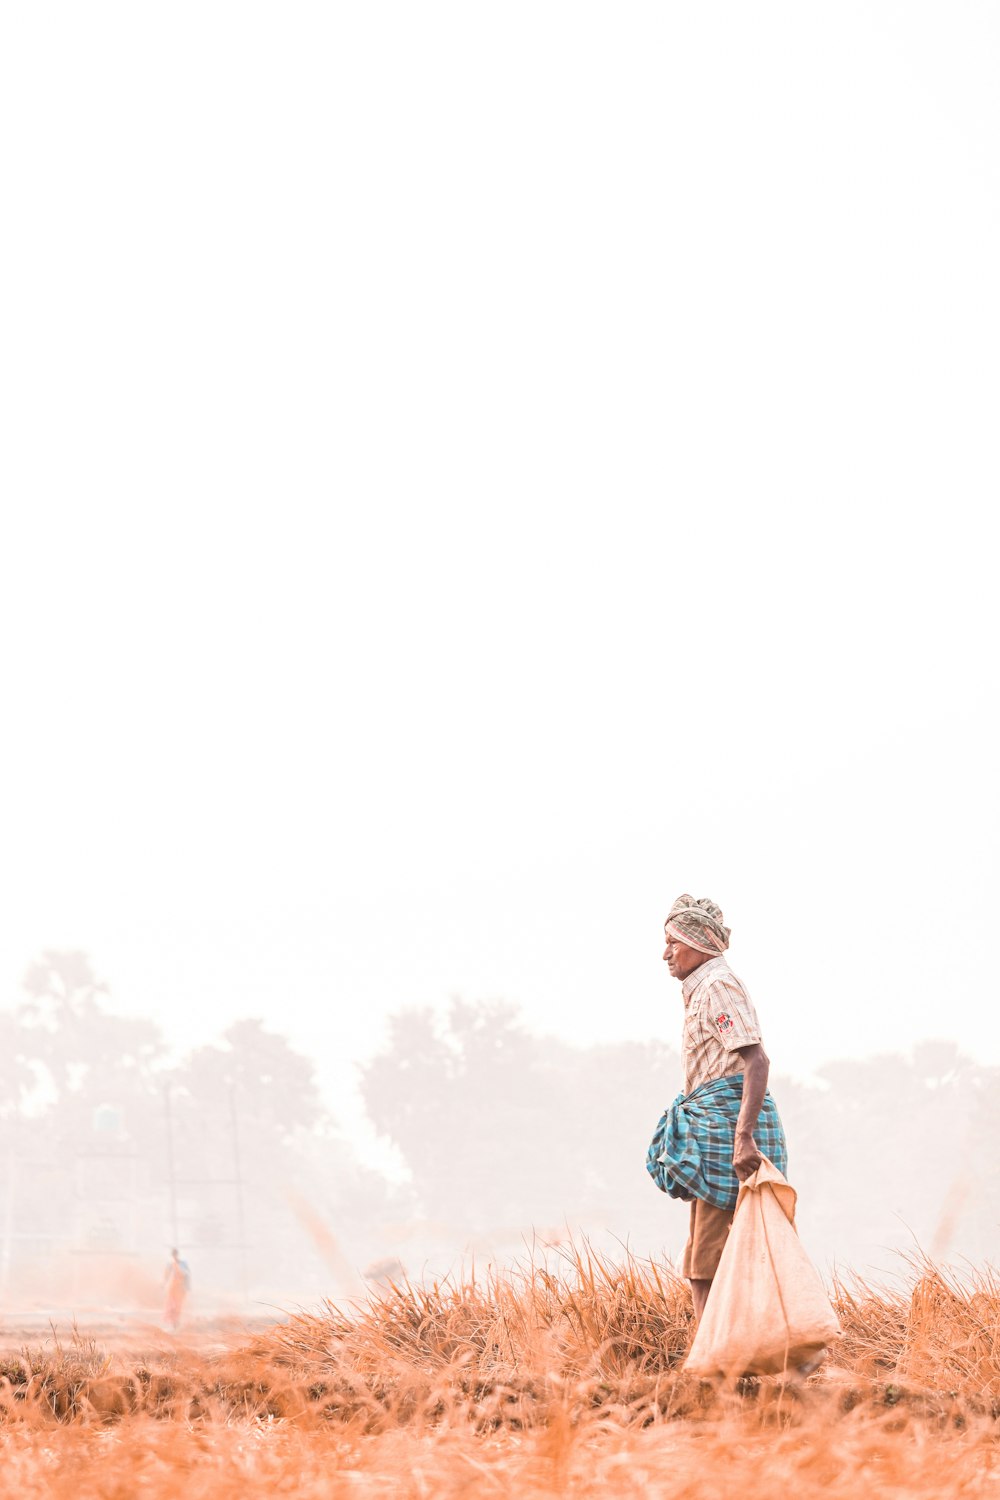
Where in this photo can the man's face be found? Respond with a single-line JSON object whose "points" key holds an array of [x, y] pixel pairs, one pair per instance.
{"points": [[680, 959]]}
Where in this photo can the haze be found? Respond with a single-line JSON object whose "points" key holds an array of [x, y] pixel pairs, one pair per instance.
{"points": [[472, 474]]}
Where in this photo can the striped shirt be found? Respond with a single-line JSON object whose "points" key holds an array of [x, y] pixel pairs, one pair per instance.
{"points": [[719, 1018]]}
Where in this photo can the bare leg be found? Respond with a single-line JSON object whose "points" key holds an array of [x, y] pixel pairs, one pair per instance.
{"points": [[699, 1292]]}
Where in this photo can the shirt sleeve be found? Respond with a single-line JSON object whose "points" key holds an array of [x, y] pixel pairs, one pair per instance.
{"points": [[730, 1014]]}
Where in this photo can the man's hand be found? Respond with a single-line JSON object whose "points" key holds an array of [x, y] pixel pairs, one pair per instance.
{"points": [[746, 1157]]}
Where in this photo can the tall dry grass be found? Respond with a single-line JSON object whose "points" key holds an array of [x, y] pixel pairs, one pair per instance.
{"points": [[563, 1378]]}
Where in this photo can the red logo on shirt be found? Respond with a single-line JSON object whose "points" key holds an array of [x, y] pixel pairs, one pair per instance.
{"points": [[724, 1021]]}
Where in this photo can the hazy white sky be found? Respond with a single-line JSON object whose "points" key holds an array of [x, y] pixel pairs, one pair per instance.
{"points": [[474, 472]]}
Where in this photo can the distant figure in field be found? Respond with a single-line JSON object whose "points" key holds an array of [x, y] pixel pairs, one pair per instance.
{"points": [[176, 1285], [714, 1134]]}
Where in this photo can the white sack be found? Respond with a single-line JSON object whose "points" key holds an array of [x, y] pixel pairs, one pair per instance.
{"points": [[767, 1310]]}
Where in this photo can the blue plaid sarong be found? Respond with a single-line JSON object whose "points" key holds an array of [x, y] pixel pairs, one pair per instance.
{"points": [[691, 1153]]}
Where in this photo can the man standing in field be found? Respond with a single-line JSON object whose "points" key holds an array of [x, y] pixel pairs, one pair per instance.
{"points": [[714, 1134]]}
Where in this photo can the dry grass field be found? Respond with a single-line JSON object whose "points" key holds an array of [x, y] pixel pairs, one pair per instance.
{"points": [[545, 1382]]}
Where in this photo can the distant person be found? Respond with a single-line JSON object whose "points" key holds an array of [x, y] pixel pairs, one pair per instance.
{"points": [[713, 1136], [176, 1285]]}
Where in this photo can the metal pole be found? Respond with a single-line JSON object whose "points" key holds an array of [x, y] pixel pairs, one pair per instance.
{"points": [[240, 1216], [171, 1178], [8, 1228]]}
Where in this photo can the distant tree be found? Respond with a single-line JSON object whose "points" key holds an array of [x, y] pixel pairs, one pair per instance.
{"points": [[275, 1085], [16, 1075], [80, 1054], [244, 1097], [505, 1131], [105, 1132], [879, 1151]]}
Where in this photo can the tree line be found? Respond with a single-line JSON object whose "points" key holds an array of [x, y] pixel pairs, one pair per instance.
{"points": [[112, 1146]]}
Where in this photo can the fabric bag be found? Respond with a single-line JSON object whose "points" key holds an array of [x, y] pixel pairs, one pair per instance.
{"points": [[767, 1310]]}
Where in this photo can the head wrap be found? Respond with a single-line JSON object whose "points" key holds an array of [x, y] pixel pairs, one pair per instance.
{"points": [[698, 924]]}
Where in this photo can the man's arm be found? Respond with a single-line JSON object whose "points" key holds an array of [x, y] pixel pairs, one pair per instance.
{"points": [[746, 1157]]}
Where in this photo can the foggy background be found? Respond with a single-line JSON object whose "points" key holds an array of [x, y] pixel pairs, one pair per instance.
{"points": [[470, 474], [507, 1145]]}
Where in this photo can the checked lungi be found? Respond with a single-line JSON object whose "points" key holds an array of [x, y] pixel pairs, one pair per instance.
{"points": [[691, 1153]]}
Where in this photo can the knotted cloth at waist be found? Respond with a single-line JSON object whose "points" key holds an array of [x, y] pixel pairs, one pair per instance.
{"points": [[691, 1153]]}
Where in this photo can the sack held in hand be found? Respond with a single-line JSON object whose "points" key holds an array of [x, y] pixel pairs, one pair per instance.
{"points": [[767, 1310]]}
